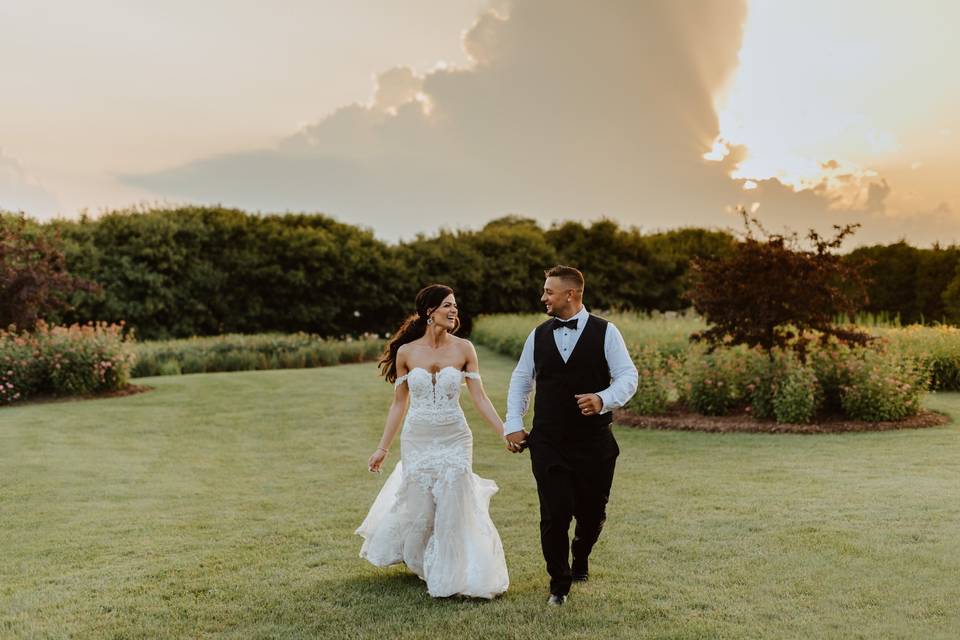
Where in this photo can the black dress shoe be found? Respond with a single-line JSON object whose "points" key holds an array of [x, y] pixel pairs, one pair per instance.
{"points": [[580, 571], [555, 600]]}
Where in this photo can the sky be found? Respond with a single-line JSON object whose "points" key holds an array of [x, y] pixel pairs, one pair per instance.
{"points": [[407, 116]]}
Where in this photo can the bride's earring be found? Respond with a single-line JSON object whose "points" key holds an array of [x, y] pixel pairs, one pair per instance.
{"points": [[429, 321]]}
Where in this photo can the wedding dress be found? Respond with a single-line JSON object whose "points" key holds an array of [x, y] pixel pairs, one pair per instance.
{"points": [[433, 512]]}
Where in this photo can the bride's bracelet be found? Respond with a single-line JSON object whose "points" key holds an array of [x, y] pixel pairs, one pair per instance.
{"points": [[382, 449]]}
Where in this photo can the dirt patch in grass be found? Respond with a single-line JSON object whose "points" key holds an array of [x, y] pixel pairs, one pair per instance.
{"points": [[682, 419], [129, 390]]}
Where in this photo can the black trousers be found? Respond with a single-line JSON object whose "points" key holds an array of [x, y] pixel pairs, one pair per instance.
{"points": [[573, 482]]}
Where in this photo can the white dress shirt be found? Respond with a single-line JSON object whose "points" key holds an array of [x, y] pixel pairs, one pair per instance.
{"points": [[622, 371]]}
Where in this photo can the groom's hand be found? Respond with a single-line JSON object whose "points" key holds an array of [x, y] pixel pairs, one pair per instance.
{"points": [[590, 403], [515, 441]]}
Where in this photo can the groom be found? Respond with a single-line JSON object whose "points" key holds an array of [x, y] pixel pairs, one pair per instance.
{"points": [[582, 371]]}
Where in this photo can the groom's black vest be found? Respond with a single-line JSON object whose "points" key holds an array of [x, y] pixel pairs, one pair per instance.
{"points": [[555, 410]]}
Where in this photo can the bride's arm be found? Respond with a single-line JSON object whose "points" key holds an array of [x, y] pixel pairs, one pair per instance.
{"points": [[394, 417], [479, 395]]}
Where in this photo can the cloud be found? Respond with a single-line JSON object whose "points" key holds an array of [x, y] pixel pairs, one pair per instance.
{"points": [[395, 88], [19, 192], [569, 110]]}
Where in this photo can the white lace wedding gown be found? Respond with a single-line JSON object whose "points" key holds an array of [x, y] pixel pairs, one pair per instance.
{"points": [[433, 512]]}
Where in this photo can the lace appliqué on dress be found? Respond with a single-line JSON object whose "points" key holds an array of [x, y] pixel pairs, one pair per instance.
{"points": [[433, 512]]}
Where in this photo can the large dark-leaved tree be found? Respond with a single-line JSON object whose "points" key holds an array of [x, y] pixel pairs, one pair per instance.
{"points": [[33, 277], [770, 292]]}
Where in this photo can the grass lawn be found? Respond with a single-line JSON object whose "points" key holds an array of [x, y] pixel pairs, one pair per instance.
{"points": [[223, 505]]}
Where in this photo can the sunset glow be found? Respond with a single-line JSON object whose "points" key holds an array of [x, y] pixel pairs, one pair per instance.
{"points": [[846, 94], [461, 110]]}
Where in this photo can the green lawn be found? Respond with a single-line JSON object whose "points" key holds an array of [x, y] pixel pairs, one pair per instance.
{"points": [[223, 505]]}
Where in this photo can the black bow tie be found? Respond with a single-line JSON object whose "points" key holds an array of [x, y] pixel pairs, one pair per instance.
{"points": [[560, 324]]}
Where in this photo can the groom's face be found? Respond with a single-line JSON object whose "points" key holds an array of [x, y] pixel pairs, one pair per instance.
{"points": [[557, 297]]}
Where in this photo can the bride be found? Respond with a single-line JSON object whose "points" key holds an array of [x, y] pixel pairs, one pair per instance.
{"points": [[433, 512]]}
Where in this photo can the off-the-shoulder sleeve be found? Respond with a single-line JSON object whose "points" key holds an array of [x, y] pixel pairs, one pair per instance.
{"points": [[400, 380], [472, 374]]}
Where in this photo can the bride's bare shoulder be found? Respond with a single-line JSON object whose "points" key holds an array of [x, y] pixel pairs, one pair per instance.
{"points": [[407, 347], [464, 345]]}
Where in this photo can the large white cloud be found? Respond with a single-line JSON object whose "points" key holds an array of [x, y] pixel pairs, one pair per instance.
{"points": [[570, 110]]}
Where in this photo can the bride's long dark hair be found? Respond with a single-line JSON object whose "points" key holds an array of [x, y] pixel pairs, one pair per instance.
{"points": [[427, 301]]}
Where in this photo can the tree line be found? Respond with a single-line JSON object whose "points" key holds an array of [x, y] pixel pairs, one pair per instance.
{"points": [[211, 270]]}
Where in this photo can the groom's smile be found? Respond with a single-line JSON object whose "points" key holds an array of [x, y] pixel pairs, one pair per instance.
{"points": [[558, 298]]}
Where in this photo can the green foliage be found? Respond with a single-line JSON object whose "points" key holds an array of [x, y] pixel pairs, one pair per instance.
{"points": [[207, 271], [770, 293], [23, 372], [764, 374], [655, 384], [61, 360], [505, 333], [883, 386], [797, 395], [717, 382], [210, 270], [33, 278], [234, 352], [916, 285], [936, 349], [668, 332], [775, 385]]}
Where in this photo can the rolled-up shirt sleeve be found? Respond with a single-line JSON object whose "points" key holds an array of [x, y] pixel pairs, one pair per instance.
{"points": [[521, 384], [623, 372]]}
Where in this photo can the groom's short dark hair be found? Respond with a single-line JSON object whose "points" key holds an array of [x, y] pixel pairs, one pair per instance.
{"points": [[567, 274]]}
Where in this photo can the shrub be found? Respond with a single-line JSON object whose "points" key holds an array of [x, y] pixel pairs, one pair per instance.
{"points": [[936, 348], [234, 352], [351, 351], [771, 293], [85, 358], [654, 385], [831, 365], [61, 360], [797, 395], [23, 372], [883, 386], [764, 374], [33, 274], [717, 382], [777, 386], [168, 368]]}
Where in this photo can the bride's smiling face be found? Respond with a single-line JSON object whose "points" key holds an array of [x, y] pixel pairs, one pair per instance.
{"points": [[446, 314]]}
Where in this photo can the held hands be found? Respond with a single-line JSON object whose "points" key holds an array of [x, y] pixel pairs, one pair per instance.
{"points": [[590, 403], [373, 464], [516, 441]]}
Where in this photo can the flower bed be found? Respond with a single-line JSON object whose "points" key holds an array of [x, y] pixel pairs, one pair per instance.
{"points": [[883, 382], [63, 361]]}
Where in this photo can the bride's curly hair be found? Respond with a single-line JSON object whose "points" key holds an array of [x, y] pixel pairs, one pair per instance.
{"points": [[427, 301]]}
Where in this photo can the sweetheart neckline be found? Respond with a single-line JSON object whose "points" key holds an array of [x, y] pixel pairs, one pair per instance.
{"points": [[433, 373]]}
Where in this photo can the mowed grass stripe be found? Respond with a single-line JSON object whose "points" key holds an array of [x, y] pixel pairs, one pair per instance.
{"points": [[223, 505]]}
